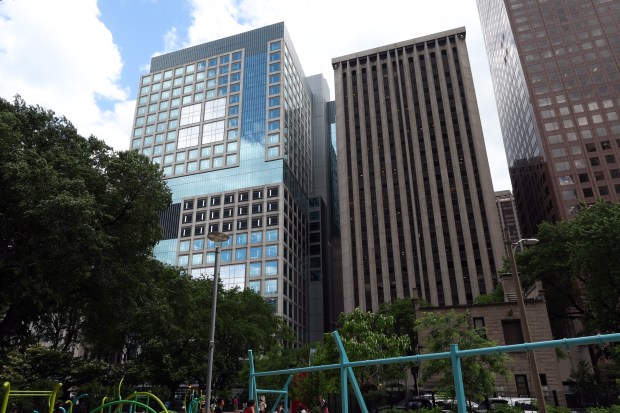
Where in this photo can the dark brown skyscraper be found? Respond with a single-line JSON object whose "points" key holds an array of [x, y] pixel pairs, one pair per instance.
{"points": [[416, 199], [555, 68]]}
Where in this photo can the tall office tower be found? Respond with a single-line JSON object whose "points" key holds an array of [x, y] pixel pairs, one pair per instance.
{"points": [[507, 211], [230, 123], [416, 200], [555, 68]]}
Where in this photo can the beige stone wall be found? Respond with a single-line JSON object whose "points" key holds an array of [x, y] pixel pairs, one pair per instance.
{"points": [[538, 319]]}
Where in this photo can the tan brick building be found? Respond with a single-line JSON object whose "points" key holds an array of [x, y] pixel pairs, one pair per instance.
{"points": [[502, 324]]}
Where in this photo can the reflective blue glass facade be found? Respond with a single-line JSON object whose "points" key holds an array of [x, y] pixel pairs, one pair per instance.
{"points": [[229, 122]]}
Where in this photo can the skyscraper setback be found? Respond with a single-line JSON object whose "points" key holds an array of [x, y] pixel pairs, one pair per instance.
{"points": [[230, 122], [555, 67], [417, 210]]}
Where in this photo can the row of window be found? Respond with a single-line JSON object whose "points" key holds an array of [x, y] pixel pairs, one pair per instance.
{"points": [[227, 199], [242, 210], [190, 83], [228, 226], [255, 269], [239, 254], [194, 67], [255, 237]]}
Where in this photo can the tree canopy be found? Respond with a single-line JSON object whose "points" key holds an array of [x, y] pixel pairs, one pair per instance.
{"points": [[478, 372], [578, 262], [76, 219]]}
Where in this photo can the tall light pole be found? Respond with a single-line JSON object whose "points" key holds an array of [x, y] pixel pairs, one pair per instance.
{"points": [[217, 238], [525, 327]]}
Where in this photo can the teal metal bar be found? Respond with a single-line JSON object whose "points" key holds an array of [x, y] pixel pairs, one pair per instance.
{"points": [[344, 360], [350, 374], [346, 366], [252, 385], [283, 392], [565, 342], [457, 373]]}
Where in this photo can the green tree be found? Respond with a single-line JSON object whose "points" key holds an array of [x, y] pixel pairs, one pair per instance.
{"points": [[403, 312], [479, 372], [365, 336], [77, 223], [578, 262]]}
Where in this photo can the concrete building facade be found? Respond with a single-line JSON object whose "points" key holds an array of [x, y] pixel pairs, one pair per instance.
{"points": [[416, 200]]}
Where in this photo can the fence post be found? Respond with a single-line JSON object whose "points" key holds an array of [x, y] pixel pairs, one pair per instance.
{"points": [[458, 378]]}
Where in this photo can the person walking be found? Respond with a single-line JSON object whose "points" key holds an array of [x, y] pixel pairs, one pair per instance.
{"points": [[250, 407], [236, 403], [220, 406], [262, 406]]}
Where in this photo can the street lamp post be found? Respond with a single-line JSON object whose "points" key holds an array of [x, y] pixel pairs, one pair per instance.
{"points": [[217, 238], [525, 327]]}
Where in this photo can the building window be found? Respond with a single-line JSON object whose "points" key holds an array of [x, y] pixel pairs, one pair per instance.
{"points": [[241, 239], [479, 326], [186, 231], [256, 269], [229, 198], [257, 222], [255, 286], [523, 389], [257, 194], [241, 254], [188, 137], [213, 132], [190, 114], [184, 246], [512, 332], [271, 251], [242, 224], [256, 237], [272, 235], [271, 286], [215, 200], [215, 109], [226, 255], [257, 208], [199, 230], [188, 205], [256, 252], [243, 210]]}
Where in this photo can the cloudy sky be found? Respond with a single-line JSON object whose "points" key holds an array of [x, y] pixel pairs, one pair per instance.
{"points": [[83, 59]]}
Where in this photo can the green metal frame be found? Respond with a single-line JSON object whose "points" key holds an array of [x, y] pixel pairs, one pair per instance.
{"points": [[347, 375], [50, 394]]}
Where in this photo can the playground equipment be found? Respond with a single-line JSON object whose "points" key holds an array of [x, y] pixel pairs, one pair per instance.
{"points": [[50, 394], [73, 402], [135, 400], [346, 367]]}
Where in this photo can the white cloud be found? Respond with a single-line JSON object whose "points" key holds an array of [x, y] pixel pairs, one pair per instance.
{"points": [[324, 29], [59, 55]]}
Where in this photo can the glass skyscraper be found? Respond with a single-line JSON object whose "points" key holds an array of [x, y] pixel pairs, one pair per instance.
{"points": [[556, 73], [230, 122]]}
